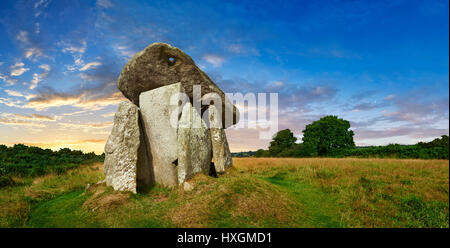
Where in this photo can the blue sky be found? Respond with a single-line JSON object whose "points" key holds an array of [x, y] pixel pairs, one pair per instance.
{"points": [[383, 65]]}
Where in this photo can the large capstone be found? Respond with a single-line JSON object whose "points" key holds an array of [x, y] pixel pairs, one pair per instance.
{"points": [[221, 151], [160, 65], [127, 165]]}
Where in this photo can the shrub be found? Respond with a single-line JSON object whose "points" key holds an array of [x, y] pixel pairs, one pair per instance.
{"points": [[6, 181], [22, 160]]}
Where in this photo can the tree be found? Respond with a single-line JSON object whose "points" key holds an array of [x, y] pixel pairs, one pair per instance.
{"points": [[283, 140], [327, 134], [262, 153], [438, 142]]}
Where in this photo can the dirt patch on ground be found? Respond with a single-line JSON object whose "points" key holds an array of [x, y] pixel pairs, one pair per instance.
{"points": [[103, 199]]}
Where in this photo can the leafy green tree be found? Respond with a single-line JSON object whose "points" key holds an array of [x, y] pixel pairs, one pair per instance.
{"points": [[283, 140], [442, 142], [262, 153], [327, 134]]}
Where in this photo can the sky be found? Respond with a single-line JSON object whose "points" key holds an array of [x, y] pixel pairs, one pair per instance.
{"points": [[382, 65]]}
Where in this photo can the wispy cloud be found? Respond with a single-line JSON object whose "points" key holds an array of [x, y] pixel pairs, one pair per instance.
{"points": [[18, 69], [33, 120], [22, 36], [73, 48], [39, 6], [366, 106], [87, 127], [215, 60], [240, 49], [8, 80], [104, 4], [11, 103], [16, 122], [34, 117], [37, 78], [124, 51], [33, 52], [84, 100], [91, 65], [413, 132], [110, 114], [13, 93]]}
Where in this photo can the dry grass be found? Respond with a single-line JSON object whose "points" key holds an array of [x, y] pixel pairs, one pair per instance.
{"points": [[370, 188], [235, 198], [257, 192], [16, 201], [103, 200]]}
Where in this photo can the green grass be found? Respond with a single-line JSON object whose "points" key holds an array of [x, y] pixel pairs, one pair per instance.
{"points": [[258, 192], [62, 211], [320, 207]]}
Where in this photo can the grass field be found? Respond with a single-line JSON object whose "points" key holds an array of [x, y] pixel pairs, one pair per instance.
{"points": [[257, 192]]}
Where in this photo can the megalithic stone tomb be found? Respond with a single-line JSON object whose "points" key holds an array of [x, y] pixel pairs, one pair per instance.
{"points": [[162, 136]]}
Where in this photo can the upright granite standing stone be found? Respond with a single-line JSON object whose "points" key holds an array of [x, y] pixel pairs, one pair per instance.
{"points": [[221, 151], [180, 149], [126, 163], [162, 135], [194, 144]]}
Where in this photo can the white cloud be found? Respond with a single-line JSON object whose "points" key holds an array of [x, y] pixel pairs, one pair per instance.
{"points": [[34, 82], [10, 103], [239, 49], [7, 79], [38, 28], [110, 114], [70, 48], [33, 120], [84, 101], [39, 6], [87, 127], [29, 96], [34, 117], [124, 51], [215, 60], [22, 36], [42, 3], [13, 93], [37, 78], [45, 67], [78, 61], [91, 65], [18, 69], [30, 52], [71, 68], [104, 4]]}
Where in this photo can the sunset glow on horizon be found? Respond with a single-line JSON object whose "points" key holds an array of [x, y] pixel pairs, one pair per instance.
{"points": [[386, 73]]}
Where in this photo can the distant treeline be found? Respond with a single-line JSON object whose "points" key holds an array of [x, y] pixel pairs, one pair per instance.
{"points": [[243, 154], [436, 149], [332, 137], [21, 160]]}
